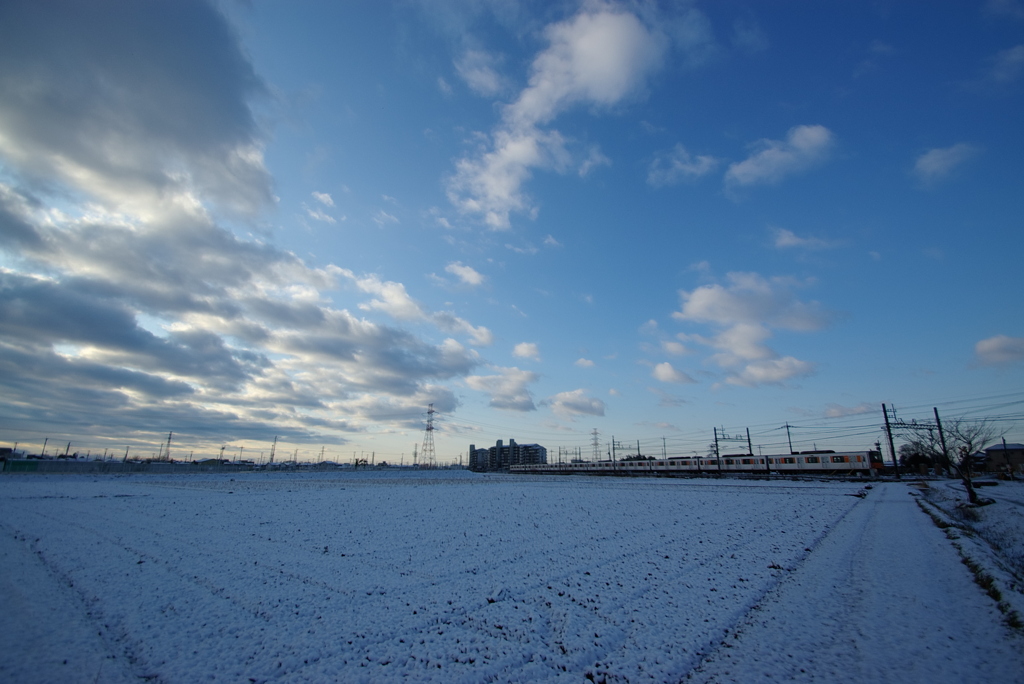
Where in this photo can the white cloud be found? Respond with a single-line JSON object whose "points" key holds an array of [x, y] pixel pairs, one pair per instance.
{"points": [[674, 348], [584, 363], [476, 67], [382, 218], [1008, 8], [771, 372], [665, 372], [446, 321], [550, 241], [677, 166], [876, 53], [751, 298], [691, 31], [507, 389], [490, 186], [1000, 350], [467, 274], [747, 35], [324, 198], [393, 299], [593, 160], [1007, 65], [526, 350], [774, 160], [568, 405], [838, 411], [939, 163], [528, 249], [598, 57], [319, 215], [743, 314], [787, 239]]}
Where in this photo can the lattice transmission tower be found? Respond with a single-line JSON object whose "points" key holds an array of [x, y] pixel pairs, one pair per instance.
{"points": [[427, 451], [595, 442]]}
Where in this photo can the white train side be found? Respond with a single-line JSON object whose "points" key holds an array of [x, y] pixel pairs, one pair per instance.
{"points": [[817, 462]]}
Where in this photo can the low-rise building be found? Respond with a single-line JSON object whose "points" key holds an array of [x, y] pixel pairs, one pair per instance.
{"points": [[999, 458]]}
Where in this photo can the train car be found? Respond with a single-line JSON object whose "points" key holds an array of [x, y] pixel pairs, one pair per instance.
{"points": [[806, 462]]}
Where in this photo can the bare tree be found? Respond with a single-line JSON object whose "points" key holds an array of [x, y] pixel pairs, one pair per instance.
{"points": [[964, 438], [954, 446]]}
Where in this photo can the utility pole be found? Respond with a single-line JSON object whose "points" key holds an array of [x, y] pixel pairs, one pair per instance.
{"points": [[892, 449], [664, 451], [273, 449], [790, 438], [1006, 455], [167, 454], [942, 438], [717, 452]]}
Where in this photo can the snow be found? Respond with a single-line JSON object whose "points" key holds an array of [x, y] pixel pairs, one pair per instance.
{"points": [[450, 576]]}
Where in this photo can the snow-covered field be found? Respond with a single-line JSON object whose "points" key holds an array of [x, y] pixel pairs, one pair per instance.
{"points": [[991, 537], [457, 577]]}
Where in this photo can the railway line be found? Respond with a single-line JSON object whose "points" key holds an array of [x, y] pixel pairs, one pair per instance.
{"points": [[807, 462]]}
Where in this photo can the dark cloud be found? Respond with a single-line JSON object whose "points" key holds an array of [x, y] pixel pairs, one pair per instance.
{"points": [[50, 312], [127, 307], [16, 232], [135, 92]]}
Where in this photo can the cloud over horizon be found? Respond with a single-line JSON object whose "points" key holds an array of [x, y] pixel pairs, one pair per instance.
{"points": [[743, 315], [126, 303]]}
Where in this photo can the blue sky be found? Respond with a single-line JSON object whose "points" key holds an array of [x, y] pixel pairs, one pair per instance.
{"points": [[311, 220]]}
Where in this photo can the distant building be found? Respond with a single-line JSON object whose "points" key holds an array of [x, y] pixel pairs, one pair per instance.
{"points": [[998, 458], [501, 456]]}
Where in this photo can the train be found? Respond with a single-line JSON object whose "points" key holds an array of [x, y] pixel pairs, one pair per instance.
{"points": [[824, 462]]}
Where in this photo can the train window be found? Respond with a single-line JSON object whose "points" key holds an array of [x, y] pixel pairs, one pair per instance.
{"points": [[812, 459], [728, 461], [748, 461], [839, 459], [788, 460]]}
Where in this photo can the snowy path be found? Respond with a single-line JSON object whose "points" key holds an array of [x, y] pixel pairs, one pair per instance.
{"points": [[464, 578], [883, 599]]}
